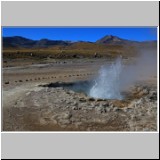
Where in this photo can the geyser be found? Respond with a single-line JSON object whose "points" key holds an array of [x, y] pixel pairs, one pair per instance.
{"points": [[114, 80], [107, 83]]}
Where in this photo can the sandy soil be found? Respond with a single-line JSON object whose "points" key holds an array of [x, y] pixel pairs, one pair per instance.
{"points": [[31, 104]]}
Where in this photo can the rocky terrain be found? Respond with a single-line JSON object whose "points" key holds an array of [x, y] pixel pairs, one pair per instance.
{"points": [[47, 101]]}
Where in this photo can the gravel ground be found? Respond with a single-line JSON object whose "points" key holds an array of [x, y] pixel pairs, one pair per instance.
{"points": [[33, 102]]}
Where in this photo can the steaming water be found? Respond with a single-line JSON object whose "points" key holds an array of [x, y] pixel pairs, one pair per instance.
{"points": [[107, 85], [113, 80]]}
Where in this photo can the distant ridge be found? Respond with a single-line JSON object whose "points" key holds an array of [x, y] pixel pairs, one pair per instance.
{"points": [[114, 40], [22, 42]]}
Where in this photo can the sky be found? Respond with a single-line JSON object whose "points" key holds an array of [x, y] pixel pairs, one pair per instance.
{"points": [[91, 34]]}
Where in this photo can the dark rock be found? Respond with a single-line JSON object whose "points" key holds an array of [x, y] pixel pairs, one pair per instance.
{"points": [[91, 99], [153, 95], [7, 82]]}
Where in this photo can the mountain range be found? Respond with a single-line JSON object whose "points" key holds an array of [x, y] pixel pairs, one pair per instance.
{"points": [[18, 42]]}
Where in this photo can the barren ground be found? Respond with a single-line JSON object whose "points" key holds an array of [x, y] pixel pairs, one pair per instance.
{"points": [[33, 102]]}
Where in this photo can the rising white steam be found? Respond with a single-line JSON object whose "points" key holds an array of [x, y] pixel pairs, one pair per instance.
{"points": [[114, 79], [107, 83]]}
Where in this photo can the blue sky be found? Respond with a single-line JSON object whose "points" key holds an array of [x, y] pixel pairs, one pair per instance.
{"points": [[82, 33]]}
